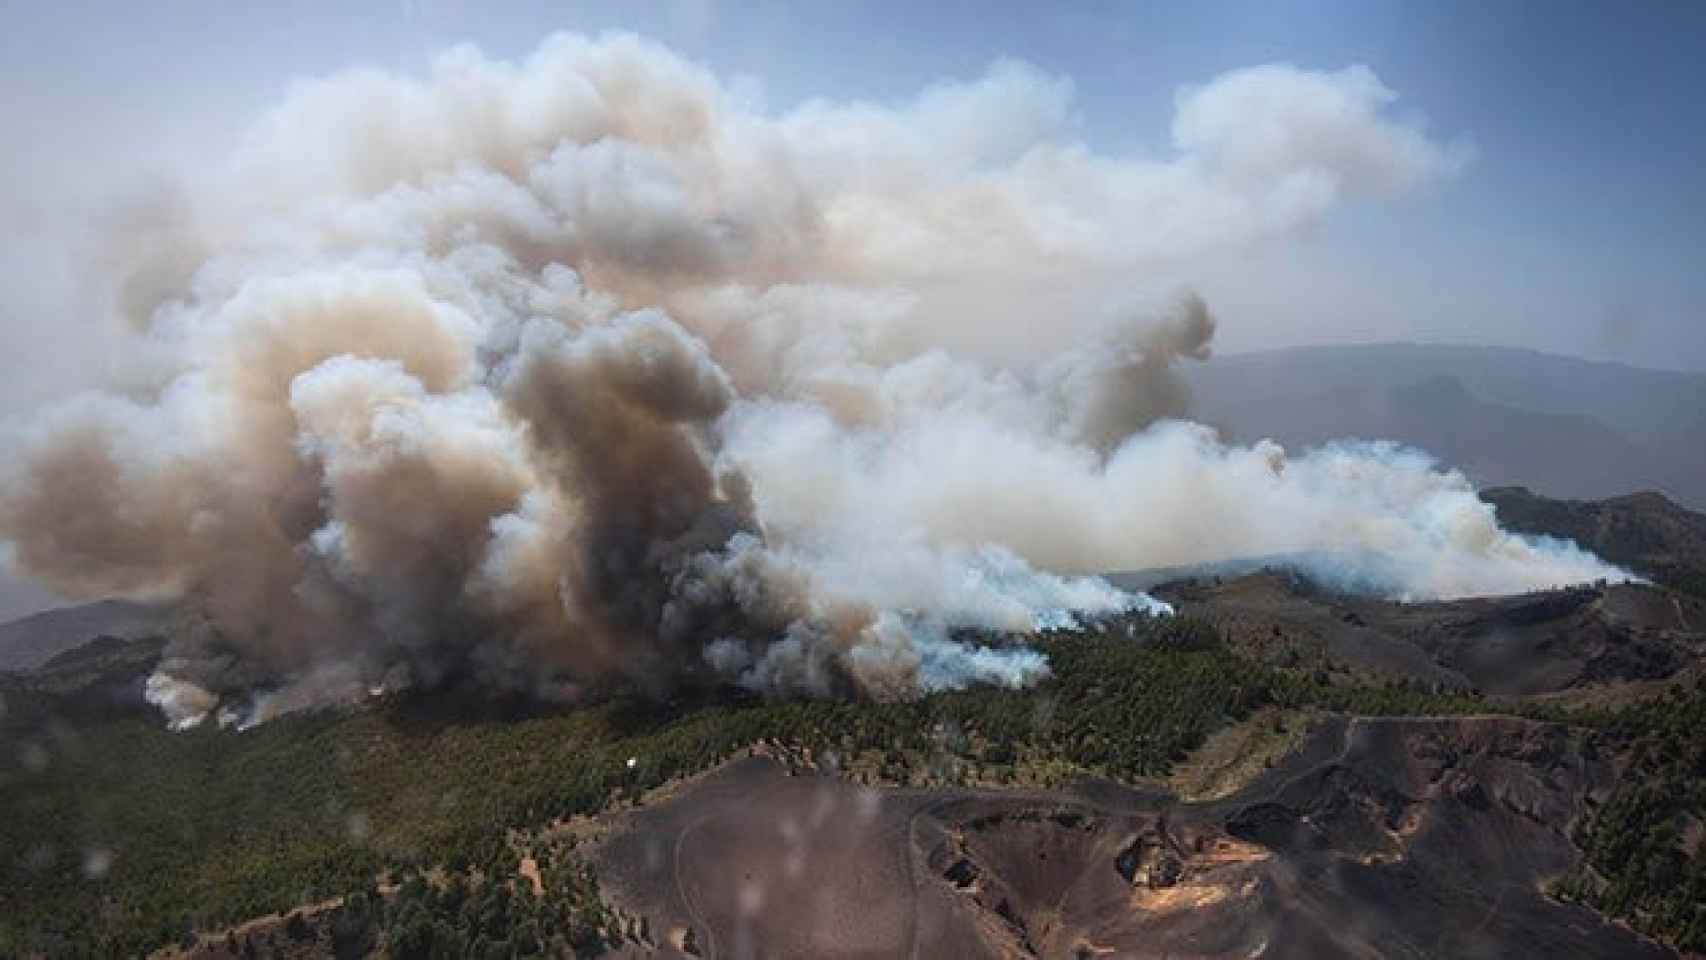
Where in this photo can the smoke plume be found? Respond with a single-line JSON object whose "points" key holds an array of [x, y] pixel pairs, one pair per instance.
{"points": [[542, 371]]}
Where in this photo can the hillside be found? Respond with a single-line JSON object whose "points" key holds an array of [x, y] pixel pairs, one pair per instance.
{"points": [[1393, 837], [1074, 816], [29, 642], [1646, 532], [1563, 426], [1512, 646]]}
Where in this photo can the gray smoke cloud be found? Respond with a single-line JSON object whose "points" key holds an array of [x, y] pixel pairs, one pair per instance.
{"points": [[548, 370]]}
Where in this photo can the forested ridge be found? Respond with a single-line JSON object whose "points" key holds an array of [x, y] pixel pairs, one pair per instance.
{"points": [[1645, 862], [1645, 532], [119, 836]]}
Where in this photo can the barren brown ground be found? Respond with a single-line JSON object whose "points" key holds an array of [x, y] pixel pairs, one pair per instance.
{"points": [[1394, 837]]}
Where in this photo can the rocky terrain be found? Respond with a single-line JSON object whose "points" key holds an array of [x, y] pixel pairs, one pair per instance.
{"points": [[1377, 837], [1517, 645], [1278, 770]]}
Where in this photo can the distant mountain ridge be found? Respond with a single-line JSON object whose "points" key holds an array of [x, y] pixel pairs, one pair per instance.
{"points": [[1562, 426], [29, 642]]}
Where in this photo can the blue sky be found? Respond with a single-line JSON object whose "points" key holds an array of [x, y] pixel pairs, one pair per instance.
{"points": [[1579, 227]]}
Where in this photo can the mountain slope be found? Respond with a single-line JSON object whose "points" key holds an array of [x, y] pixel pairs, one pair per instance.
{"points": [[413, 823], [1564, 426], [1646, 532], [29, 642], [1391, 837]]}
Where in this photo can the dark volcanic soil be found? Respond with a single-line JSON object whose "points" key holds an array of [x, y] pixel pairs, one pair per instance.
{"points": [[1516, 645], [1390, 838]]}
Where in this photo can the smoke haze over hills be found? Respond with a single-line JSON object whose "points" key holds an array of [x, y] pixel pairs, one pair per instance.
{"points": [[1568, 427], [580, 364]]}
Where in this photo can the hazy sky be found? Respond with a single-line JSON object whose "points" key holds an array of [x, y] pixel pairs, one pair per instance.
{"points": [[1578, 228], [1579, 225]]}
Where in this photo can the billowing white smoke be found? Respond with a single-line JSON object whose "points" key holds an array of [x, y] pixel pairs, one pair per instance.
{"points": [[184, 703], [536, 371]]}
